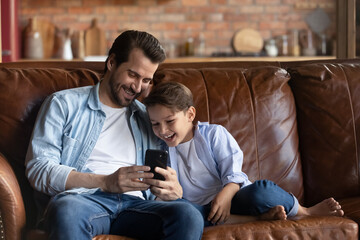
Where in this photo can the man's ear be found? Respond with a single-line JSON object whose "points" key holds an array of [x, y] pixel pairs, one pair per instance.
{"points": [[111, 62], [191, 113]]}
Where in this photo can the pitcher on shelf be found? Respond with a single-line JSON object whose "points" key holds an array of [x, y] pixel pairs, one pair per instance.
{"points": [[307, 41]]}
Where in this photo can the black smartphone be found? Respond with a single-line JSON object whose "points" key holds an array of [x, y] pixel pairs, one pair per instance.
{"points": [[156, 158]]}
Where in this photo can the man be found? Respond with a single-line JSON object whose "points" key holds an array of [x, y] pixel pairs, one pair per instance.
{"points": [[87, 152]]}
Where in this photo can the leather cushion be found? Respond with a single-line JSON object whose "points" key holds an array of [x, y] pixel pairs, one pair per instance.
{"points": [[306, 228]]}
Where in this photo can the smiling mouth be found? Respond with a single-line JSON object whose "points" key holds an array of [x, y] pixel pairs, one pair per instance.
{"points": [[169, 137], [130, 94], [129, 91]]}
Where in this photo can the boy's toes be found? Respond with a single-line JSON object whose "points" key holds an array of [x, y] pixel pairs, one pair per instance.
{"points": [[334, 205], [339, 213]]}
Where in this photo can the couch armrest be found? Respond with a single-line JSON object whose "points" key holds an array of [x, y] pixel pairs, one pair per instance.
{"points": [[11, 202]]}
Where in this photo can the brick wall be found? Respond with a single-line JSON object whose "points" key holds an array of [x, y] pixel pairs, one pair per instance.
{"points": [[169, 20]]}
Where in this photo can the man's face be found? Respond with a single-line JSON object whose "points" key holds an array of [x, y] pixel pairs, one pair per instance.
{"points": [[128, 80]]}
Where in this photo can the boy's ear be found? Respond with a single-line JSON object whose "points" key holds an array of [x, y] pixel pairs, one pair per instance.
{"points": [[191, 113]]}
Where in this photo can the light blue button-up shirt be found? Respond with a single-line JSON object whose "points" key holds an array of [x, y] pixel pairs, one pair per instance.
{"points": [[220, 154], [66, 130]]}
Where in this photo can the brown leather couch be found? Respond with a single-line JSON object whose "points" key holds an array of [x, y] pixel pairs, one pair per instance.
{"points": [[298, 124]]}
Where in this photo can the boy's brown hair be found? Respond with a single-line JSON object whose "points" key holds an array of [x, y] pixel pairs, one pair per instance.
{"points": [[173, 95]]}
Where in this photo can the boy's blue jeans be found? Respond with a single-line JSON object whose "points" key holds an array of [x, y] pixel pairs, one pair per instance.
{"points": [[83, 216], [257, 198]]}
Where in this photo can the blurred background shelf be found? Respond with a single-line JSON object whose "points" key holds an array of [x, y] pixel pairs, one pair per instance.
{"points": [[200, 59], [231, 59]]}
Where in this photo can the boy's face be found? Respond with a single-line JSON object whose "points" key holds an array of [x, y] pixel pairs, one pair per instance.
{"points": [[172, 127]]}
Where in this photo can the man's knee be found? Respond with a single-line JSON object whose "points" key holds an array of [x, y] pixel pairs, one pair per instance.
{"points": [[188, 216], [65, 212], [184, 222]]}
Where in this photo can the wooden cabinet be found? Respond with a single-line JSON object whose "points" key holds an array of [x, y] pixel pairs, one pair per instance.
{"points": [[0, 36], [10, 39], [346, 29]]}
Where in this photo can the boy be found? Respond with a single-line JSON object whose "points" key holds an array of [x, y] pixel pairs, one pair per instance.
{"points": [[208, 162]]}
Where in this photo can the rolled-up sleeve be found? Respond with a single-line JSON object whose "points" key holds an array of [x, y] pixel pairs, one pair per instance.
{"points": [[43, 161], [228, 157]]}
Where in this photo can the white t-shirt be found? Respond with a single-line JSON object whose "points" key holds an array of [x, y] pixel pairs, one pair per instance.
{"points": [[115, 147], [199, 184]]}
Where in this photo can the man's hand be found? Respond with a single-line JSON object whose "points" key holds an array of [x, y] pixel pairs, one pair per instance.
{"points": [[125, 179], [169, 189]]}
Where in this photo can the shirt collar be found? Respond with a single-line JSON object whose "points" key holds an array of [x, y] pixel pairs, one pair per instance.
{"points": [[94, 100]]}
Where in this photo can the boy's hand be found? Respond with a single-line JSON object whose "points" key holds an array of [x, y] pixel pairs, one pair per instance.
{"points": [[169, 189], [220, 209], [221, 205]]}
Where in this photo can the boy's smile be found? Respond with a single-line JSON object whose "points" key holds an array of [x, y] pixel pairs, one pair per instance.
{"points": [[173, 127]]}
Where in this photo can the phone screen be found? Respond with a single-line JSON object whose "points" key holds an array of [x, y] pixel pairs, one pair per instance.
{"points": [[156, 158]]}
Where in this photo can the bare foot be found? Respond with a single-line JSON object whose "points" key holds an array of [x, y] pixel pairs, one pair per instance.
{"points": [[275, 213], [328, 207]]}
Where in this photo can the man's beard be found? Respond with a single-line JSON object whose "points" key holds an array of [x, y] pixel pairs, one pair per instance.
{"points": [[115, 89]]}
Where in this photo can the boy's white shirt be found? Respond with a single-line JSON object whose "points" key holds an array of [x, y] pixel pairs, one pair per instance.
{"points": [[199, 184]]}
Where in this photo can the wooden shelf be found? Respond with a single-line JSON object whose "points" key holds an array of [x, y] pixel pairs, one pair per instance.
{"points": [[205, 59], [232, 59]]}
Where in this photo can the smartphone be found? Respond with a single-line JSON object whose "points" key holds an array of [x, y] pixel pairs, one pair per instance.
{"points": [[156, 158]]}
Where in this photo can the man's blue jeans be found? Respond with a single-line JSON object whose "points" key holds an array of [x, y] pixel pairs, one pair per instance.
{"points": [[83, 216]]}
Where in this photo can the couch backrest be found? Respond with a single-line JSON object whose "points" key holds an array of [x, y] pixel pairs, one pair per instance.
{"points": [[252, 100], [328, 107]]}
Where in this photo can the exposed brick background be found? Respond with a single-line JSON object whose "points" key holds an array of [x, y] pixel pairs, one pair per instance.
{"points": [[169, 20]]}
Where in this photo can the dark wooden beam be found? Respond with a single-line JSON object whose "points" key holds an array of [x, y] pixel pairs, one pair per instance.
{"points": [[346, 29]]}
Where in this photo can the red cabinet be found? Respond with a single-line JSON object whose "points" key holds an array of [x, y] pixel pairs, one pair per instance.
{"points": [[10, 36]]}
